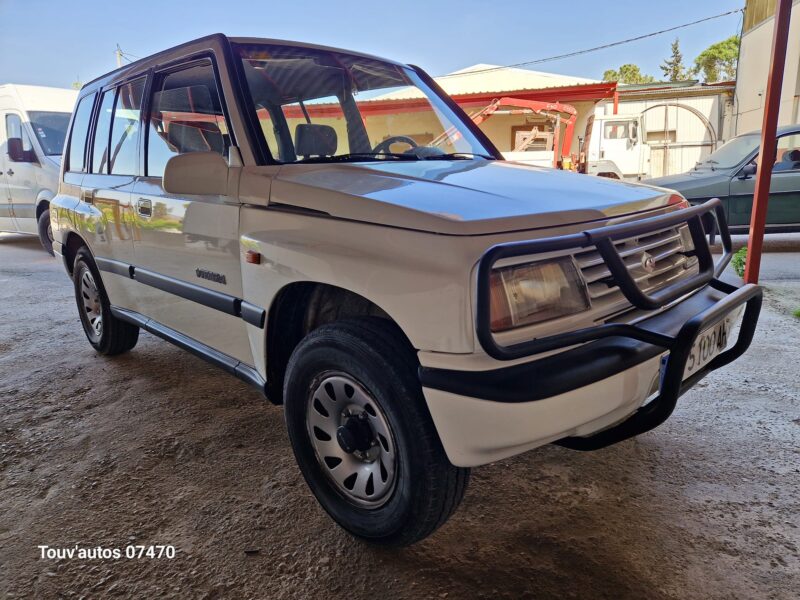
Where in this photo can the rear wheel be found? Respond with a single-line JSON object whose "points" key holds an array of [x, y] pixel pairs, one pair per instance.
{"points": [[107, 334], [46, 231], [362, 434]]}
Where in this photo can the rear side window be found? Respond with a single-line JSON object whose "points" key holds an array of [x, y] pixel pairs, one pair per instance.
{"points": [[102, 132], [80, 131], [125, 129], [186, 116]]}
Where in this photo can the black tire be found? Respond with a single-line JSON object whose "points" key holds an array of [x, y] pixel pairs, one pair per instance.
{"points": [[45, 233], [427, 489], [115, 336]]}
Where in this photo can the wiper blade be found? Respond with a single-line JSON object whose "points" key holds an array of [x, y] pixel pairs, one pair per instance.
{"points": [[358, 156], [458, 156]]}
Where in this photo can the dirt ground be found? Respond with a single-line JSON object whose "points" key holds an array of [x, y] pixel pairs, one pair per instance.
{"points": [[157, 447]]}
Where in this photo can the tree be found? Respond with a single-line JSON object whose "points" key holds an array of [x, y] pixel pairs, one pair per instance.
{"points": [[672, 67], [718, 61], [628, 73]]}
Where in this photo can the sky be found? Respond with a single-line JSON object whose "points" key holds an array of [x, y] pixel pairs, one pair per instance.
{"points": [[59, 42]]}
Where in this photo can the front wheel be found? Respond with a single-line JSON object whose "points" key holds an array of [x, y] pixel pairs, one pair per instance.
{"points": [[362, 434]]}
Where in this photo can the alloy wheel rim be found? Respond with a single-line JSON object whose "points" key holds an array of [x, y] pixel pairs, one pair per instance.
{"points": [[92, 307], [352, 440]]}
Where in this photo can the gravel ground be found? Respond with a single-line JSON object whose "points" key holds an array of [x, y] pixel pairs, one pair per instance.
{"points": [[157, 447]]}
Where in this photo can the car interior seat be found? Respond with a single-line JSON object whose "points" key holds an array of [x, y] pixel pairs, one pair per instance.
{"points": [[312, 139]]}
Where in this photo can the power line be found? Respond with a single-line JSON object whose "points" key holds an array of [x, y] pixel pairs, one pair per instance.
{"points": [[596, 48], [120, 54]]}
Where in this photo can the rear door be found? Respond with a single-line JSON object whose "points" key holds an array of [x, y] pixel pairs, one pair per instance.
{"points": [[106, 188], [193, 239], [783, 208]]}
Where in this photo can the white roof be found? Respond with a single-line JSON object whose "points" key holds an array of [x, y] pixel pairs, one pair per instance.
{"points": [[37, 97], [485, 78]]}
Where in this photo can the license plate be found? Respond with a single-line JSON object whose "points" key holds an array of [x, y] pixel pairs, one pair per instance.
{"points": [[707, 345]]}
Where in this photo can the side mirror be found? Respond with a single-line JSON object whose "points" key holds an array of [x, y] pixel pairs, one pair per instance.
{"points": [[16, 153], [747, 171], [196, 173]]}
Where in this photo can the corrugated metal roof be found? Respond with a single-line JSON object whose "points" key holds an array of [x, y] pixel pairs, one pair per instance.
{"points": [[492, 79]]}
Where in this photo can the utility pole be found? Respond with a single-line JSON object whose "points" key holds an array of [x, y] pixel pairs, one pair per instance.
{"points": [[766, 157], [118, 52]]}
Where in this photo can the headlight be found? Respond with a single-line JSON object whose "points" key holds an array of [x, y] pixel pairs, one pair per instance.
{"points": [[536, 292], [688, 246]]}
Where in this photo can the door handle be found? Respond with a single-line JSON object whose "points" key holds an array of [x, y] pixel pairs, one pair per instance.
{"points": [[10, 172], [144, 207], [88, 196]]}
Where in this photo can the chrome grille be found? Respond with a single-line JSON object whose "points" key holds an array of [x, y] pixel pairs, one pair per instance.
{"points": [[665, 247]]}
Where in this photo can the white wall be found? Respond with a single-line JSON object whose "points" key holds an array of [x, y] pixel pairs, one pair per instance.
{"points": [[754, 60]]}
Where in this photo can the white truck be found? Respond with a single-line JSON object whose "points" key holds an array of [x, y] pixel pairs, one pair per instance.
{"points": [[613, 147], [33, 125]]}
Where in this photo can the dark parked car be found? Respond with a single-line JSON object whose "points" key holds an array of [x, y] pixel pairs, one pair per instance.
{"points": [[729, 172]]}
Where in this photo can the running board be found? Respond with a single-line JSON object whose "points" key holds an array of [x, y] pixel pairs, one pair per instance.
{"points": [[228, 363]]}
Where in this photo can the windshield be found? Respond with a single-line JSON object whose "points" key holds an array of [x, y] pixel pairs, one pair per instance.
{"points": [[733, 152], [51, 129], [324, 106]]}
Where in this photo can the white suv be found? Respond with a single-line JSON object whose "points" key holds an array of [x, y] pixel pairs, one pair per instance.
{"points": [[331, 228]]}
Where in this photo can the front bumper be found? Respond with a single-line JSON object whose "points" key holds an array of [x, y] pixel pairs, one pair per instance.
{"points": [[592, 394]]}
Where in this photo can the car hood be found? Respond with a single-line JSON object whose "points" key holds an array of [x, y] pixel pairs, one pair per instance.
{"points": [[702, 183], [460, 197]]}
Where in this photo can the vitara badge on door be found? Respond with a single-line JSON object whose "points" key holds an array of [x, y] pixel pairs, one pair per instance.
{"points": [[211, 276]]}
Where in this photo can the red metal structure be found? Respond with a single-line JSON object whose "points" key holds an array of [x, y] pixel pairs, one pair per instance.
{"points": [[540, 108], [766, 158]]}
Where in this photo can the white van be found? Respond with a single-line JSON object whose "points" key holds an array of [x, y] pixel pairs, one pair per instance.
{"points": [[33, 125]]}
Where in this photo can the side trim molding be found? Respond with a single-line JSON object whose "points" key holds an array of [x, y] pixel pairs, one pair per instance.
{"points": [[114, 266], [228, 363], [231, 305]]}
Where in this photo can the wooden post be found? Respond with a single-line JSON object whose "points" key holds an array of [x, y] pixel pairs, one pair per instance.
{"points": [[766, 157]]}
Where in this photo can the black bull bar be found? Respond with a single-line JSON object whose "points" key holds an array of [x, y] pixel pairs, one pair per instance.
{"points": [[701, 219]]}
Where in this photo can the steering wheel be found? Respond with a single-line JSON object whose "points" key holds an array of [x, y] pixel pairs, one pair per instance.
{"points": [[383, 147]]}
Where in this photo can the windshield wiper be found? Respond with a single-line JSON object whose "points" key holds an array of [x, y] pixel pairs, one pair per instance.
{"points": [[359, 156], [458, 156]]}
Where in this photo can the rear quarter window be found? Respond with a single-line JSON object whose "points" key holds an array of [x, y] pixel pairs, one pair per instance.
{"points": [[76, 157]]}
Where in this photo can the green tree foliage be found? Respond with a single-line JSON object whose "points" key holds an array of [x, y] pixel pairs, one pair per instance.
{"points": [[673, 67], [628, 73], [739, 260], [718, 61]]}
